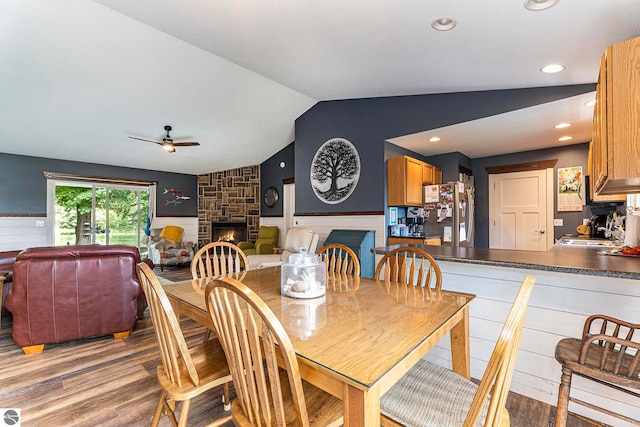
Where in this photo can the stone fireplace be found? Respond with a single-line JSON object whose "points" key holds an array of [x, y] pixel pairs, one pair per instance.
{"points": [[231, 232], [231, 196]]}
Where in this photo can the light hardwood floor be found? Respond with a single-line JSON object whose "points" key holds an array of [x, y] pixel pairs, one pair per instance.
{"points": [[111, 382]]}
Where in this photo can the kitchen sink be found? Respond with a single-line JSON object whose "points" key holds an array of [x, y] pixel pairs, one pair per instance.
{"points": [[599, 243]]}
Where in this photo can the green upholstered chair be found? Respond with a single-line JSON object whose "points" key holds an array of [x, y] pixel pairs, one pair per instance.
{"points": [[267, 240]]}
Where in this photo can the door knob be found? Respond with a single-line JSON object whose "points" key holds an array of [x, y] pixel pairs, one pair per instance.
{"points": [[541, 231]]}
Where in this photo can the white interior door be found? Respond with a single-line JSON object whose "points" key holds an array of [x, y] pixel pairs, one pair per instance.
{"points": [[289, 206], [519, 213]]}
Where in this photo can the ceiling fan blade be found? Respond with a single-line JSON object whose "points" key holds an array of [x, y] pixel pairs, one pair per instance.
{"points": [[186, 144], [146, 140]]}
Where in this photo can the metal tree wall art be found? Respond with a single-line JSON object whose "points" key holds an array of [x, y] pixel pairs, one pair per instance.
{"points": [[335, 170]]}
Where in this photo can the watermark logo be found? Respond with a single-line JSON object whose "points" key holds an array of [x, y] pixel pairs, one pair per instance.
{"points": [[10, 417]]}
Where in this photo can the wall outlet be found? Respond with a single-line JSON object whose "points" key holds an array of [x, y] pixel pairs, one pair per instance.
{"points": [[299, 222], [39, 223], [558, 222]]}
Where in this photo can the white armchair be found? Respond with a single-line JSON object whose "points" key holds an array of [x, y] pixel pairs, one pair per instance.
{"points": [[296, 238]]}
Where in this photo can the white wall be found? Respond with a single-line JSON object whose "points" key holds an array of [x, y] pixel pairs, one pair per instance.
{"points": [[22, 233], [558, 307], [323, 225], [190, 225]]}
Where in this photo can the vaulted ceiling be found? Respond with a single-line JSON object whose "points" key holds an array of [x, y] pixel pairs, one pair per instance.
{"points": [[79, 77]]}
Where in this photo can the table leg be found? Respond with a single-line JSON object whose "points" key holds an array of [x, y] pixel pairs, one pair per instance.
{"points": [[460, 353], [361, 407]]}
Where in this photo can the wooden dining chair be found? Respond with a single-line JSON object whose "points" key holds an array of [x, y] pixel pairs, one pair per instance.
{"points": [[218, 259], [343, 267], [256, 344], [340, 259], [411, 274], [432, 395], [607, 353], [184, 372]]}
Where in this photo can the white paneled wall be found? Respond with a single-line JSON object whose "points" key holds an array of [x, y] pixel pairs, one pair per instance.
{"points": [[190, 225], [558, 307], [323, 225], [22, 232]]}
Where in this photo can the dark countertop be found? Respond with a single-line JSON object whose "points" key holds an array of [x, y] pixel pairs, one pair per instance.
{"points": [[576, 260], [418, 237]]}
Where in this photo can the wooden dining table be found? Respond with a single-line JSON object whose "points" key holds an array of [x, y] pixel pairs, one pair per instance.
{"points": [[355, 344]]}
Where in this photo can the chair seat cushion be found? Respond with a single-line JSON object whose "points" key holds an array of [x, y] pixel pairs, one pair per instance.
{"points": [[430, 395]]}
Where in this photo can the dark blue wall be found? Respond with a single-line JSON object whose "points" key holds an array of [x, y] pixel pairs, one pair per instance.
{"points": [[23, 187], [272, 175], [369, 122]]}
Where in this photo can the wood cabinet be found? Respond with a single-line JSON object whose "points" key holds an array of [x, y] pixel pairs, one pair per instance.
{"points": [[599, 198], [405, 178], [427, 174], [437, 175], [615, 147], [435, 241]]}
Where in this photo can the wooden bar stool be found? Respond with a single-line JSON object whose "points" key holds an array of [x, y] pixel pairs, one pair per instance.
{"points": [[608, 353]]}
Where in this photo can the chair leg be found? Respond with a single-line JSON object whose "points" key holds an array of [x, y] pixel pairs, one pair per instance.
{"points": [[563, 397], [225, 397], [124, 334], [184, 413], [158, 413], [33, 349]]}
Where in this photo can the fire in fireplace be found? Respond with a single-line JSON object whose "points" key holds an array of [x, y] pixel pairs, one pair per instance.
{"points": [[232, 232]]}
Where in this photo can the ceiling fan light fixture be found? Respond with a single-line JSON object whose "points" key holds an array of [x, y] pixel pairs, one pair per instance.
{"points": [[443, 24], [536, 5], [167, 143]]}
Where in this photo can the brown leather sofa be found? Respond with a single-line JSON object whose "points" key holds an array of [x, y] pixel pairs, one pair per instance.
{"points": [[7, 259], [63, 293]]}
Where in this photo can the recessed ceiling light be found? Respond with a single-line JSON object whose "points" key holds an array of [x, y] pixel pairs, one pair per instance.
{"points": [[553, 68], [590, 103], [443, 24], [539, 4], [434, 139], [565, 138], [562, 125]]}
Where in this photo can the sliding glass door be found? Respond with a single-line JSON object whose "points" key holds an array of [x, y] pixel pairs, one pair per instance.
{"points": [[86, 213]]}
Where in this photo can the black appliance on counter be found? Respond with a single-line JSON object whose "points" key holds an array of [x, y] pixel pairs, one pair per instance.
{"points": [[596, 222]]}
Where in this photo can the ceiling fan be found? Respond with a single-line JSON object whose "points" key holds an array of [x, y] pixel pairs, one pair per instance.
{"points": [[167, 142]]}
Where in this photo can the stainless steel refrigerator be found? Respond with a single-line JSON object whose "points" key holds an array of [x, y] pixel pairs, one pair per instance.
{"points": [[449, 212]]}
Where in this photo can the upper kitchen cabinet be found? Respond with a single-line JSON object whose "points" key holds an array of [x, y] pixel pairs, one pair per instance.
{"points": [[431, 174], [615, 146], [405, 177]]}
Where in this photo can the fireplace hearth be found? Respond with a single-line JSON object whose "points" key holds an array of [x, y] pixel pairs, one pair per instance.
{"points": [[232, 232]]}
